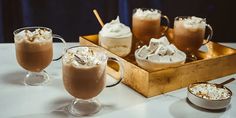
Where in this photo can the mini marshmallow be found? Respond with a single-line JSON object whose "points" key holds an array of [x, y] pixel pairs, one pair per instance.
{"points": [[82, 57], [193, 23], [210, 91], [147, 14], [23, 35], [38, 35]]}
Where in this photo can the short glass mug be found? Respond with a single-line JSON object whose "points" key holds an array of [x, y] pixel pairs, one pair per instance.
{"points": [[35, 56], [146, 27], [190, 38], [84, 83]]}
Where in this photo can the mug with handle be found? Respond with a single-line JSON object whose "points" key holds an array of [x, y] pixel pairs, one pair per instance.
{"points": [[34, 52], [84, 77]]}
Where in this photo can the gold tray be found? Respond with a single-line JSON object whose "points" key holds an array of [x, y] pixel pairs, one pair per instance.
{"points": [[217, 62]]}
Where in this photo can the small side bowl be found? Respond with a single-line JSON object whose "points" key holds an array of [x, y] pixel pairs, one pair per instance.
{"points": [[206, 103], [153, 66]]}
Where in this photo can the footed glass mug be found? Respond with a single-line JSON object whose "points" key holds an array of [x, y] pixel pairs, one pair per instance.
{"points": [[146, 24], [189, 33], [84, 77], [34, 52]]}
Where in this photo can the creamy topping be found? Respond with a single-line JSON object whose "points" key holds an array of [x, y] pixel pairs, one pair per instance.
{"points": [[148, 13], [193, 22], [115, 29], [83, 56], [160, 50], [39, 35], [210, 91]]}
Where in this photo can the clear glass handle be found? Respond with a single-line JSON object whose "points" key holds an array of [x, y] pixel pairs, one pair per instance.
{"points": [[168, 23], [209, 37], [64, 47], [121, 71]]}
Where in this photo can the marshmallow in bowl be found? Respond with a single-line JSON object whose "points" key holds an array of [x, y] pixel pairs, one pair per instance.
{"points": [[144, 52], [160, 50], [210, 91], [154, 43]]}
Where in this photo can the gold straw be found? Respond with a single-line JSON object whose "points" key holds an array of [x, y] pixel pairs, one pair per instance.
{"points": [[98, 17]]}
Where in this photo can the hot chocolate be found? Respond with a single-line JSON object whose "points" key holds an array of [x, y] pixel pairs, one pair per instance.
{"points": [[189, 33], [146, 24], [84, 76], [34, 49], [84, 72]]}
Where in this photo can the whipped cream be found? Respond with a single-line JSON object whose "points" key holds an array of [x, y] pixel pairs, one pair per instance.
{"points": [[39, 35], [160, 50], [193, 22], [210, 91], [147, 14], [83, 56], [115, 29]]}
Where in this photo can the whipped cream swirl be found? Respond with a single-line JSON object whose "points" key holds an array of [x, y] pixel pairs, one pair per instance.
{"points": [[115, 29]]}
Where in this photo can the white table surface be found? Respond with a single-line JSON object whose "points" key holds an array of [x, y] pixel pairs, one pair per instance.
{"points": [[50, 101]]}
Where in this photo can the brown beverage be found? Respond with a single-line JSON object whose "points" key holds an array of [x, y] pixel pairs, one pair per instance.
{"points": [[146, 24], [34, 49], [84, 83], [189, 33], [84, 73]]}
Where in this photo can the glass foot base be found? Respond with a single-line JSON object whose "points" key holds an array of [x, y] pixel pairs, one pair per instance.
{"points": [[80, 107], [191, 57], [36, 78]]}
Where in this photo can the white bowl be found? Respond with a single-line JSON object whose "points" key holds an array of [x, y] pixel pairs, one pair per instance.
{"points": [[206, 103], [153, 66]]}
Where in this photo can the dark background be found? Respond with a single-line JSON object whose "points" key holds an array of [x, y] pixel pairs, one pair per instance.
{"points": [[73, 18]]}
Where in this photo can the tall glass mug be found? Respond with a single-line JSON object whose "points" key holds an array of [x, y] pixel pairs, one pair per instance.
{"points": [[189, 33], [34, 52], [84, 77], [146, 24]]}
